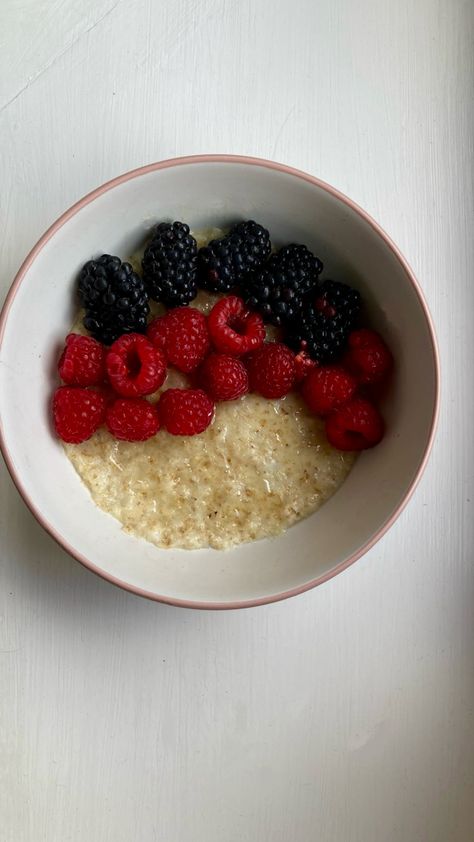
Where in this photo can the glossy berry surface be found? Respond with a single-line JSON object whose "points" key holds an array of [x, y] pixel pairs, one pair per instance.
{"points": [[114, 298], [272, 370], [233, 328], [77, 413], [183, 335], [223, 378], [134, 366], [132, 419], [82, 361], [170, 264], [357, 426], [185, 412]]}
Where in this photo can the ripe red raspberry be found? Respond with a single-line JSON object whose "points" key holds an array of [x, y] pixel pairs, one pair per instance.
{"points": [[82, 362], [185, 412], [272, 370], [234, 329], [183, 335], [368, 357], [132, 419], [77, 413], [134, 366], [328, 388], [223, 378], [356, 426]]}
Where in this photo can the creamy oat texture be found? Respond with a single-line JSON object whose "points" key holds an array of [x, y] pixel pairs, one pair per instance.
{"points": [[261, 466]]}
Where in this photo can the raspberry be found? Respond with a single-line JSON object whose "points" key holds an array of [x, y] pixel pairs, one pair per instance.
{"points": [[234, 330], [223, 378], [185, 412], [134, 366], [328, 388], [356, 426], [77, 413], [368, 357], [183, 335], [272, 370], [132, 419], [82, 362]]}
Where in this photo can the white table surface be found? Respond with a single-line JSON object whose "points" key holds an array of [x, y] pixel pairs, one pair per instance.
{"points": [[345, 714]]}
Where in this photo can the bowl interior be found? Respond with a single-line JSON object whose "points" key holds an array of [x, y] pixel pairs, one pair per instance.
{"points": [[202, 194]]}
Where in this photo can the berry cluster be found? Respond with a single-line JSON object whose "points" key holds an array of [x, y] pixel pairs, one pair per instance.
{"points": [[226, 355], [112, 377], [340, 393], [284, 287]]}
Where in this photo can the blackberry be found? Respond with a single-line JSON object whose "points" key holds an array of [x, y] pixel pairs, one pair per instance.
{"points": [[277, 289], [114, 299], [223, 263], [170, 264], [323, 326]]}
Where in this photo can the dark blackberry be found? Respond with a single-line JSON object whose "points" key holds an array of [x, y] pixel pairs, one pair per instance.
{"points": [[114, 299], [322, 326], [223, 263], [277, 289], [170, 264]]}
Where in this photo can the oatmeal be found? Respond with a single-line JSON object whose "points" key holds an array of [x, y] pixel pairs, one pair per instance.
{"points": [[261, 466]]}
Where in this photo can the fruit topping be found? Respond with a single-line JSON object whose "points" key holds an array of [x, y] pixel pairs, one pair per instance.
{"points": [[114, 299], [233, 329], [77, 413], [134, 366], [328, 388], [325, 322], [170, 264], [183, 335], [132, 419], [223, 378], [357, 426], [223, 263], [276, 290], [82, 363], [368, 357], [272, 370], [185, 412]]}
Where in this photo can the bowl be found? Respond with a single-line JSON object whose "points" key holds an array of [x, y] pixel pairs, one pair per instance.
{"points": [[204, 191]]}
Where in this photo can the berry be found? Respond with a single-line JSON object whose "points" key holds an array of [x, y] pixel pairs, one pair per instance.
{"points": [[233, 329], [223, 263], [272, 370], [328, 388], [368, 357], [276, 290], [183, 335], [77, 413], [223, 378], [185, 412], [82, 362], [325, 324], [132, 419], [114, 299], [134, 366], [356, 426], [170, 264]]}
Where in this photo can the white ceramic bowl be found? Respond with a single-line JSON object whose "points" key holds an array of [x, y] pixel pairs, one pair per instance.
{"points": [[204, 191]]}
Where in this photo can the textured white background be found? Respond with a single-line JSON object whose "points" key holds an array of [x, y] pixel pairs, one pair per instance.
{"points": [[346, 714]]}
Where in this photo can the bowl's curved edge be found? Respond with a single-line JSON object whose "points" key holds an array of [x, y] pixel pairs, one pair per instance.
{"points": [[233, 159]]}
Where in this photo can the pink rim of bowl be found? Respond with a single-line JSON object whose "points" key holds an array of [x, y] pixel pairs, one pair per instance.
{"points": [[231, 159]]}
